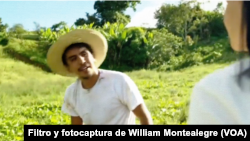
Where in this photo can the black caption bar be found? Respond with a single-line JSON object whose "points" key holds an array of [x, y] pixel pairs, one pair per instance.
{"points": [[54, 132]]}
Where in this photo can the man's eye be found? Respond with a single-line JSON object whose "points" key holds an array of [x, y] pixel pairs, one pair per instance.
{"points": [[73, 59]]}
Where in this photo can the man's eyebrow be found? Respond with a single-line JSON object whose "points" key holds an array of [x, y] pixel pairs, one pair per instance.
{"points": [[71, 56], [85, 50]]}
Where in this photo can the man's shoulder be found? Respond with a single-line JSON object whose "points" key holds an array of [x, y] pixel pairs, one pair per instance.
{"points": [[114, 74], [70, 89], [71, 86], [117, 78]]}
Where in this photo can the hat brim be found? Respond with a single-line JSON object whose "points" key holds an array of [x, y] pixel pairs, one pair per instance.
{"points": [[95, 39]]}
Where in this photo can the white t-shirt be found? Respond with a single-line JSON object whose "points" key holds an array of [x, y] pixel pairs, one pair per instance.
{"points": [[110, 101], [218, 99]]}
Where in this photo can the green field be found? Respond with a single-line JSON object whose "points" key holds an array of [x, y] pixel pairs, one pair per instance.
{"points": [[186, 44], [31, 96]]}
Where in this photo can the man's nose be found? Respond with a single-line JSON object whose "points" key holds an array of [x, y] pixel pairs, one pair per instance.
{"points": [[81, 60]]}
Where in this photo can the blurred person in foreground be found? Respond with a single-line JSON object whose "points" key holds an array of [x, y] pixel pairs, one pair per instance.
{"points": [[223, 97], [98, 96]]}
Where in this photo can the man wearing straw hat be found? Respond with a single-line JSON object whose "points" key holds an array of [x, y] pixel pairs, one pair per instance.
{"points": [[98, 96]]}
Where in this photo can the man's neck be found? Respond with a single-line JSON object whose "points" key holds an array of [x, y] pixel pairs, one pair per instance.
{"points": [[90, 82]]}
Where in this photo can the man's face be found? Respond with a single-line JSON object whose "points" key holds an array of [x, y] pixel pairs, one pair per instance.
{"points": [[80, 61]]}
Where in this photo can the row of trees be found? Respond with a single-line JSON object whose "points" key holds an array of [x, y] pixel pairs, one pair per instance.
{"points": [[186, 20], [175, 43]]}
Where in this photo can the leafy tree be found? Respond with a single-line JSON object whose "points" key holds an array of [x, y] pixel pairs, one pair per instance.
{"points": [[58, 26], [17, 30], [108, 11], [188, 20], [90, 19], [37, 27], [3, 34], [3, 27]]}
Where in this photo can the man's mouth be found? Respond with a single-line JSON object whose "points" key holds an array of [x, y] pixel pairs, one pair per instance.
{"points": [[83, 68]]}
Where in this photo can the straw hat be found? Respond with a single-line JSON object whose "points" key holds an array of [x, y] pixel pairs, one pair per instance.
{"points": [[95, 39]]}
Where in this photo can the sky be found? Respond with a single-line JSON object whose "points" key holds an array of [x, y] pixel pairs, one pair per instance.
{"points": [[46, 13]]}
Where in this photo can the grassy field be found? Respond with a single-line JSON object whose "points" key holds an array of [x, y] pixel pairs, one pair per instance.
{"points": [[31, 96]]}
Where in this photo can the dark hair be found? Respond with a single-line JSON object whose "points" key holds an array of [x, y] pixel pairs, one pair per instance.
{"points": [[245, 23], [76, 45]]}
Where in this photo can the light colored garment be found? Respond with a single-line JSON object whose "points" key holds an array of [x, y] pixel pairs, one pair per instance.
{"points": [[218, 99], [110, 101]]}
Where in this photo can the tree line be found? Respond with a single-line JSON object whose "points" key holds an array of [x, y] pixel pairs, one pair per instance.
{"points": [[185, 35]]}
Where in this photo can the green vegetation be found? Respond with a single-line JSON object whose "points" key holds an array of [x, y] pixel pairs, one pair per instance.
{"points": [[165, 62], [133, 49], [22, 100]]}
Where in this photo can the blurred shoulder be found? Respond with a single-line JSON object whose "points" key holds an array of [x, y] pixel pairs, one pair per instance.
{"points": [[223, 80]]}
